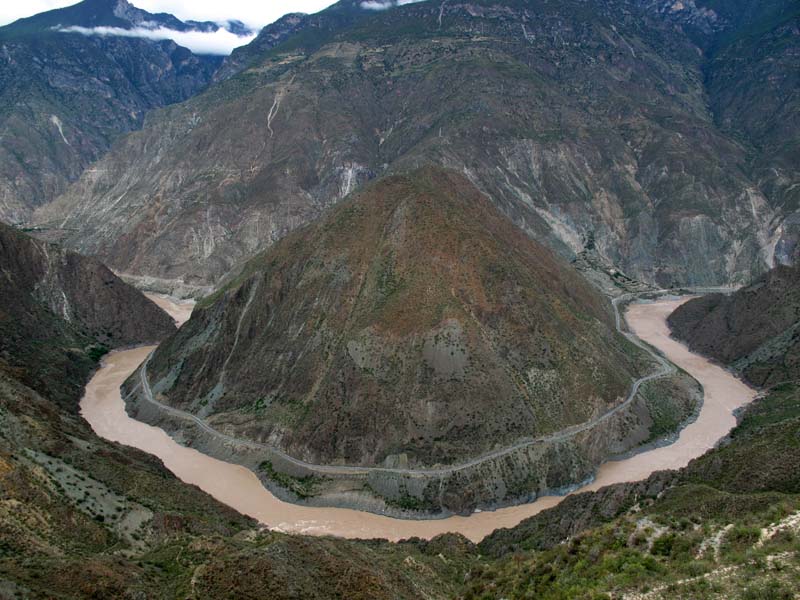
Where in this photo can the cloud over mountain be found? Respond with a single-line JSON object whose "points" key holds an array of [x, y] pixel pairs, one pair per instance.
{"points": [[220, 42], [385, 4]]}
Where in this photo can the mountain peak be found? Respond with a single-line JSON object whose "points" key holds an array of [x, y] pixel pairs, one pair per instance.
{"points": [[111, 13]]}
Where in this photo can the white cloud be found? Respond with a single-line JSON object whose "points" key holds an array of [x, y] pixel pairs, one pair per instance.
{"points": [[218, 42], [384, 4], [254, 13]]}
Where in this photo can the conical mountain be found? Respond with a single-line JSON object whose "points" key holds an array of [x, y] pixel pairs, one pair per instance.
{"points": [[413, 320]]}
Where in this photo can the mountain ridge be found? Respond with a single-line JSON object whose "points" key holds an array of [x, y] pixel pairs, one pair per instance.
{"points": [[108, 13], [622, 149]]}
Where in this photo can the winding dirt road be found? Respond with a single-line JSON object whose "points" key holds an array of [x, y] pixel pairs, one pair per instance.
{"points": [[103, 408]]}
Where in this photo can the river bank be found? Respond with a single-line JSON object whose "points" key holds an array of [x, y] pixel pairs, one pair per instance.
{"points": [[240, 488]]}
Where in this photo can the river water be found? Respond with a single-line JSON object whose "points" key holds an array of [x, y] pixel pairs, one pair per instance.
{"points": [[238, 487]]}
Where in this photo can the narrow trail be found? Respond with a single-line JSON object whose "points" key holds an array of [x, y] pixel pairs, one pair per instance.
{"points": [[664, 368]]}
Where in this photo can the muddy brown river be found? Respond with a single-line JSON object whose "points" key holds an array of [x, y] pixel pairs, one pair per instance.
{"points": [[239, 488]]}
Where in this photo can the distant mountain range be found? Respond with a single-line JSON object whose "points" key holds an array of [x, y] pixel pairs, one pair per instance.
{"points": [[666, 133], [65, 97], [112, 13]]}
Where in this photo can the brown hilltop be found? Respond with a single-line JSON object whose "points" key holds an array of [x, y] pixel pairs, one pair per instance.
{"points": [[412, 319]]}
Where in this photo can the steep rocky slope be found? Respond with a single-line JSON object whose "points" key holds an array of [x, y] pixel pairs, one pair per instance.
{"points": [[85, 518], [412, 327], [269, 37], [82, 517], [66, 97], [59, 312], [753, 82], [756, 329], [577, 120]]}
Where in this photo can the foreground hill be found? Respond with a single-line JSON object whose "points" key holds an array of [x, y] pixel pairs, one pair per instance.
{"points": [[412, 327], [579, 120], [65, 97], [82, 517], [59, 312], [756, 329]]}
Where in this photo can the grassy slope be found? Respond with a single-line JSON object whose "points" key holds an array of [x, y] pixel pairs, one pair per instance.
{"points": [[658, 535]]}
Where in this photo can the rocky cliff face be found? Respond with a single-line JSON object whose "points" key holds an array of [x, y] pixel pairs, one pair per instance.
{"points": [[59, 312], [270, 36], [756, 330], [578, 122], [65, 97]]}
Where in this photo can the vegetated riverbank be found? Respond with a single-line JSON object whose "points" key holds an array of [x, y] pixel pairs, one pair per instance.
{"points": [[724, 527]]}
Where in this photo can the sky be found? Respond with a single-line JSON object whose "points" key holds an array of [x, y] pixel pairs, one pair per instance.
{"points": [[253, 13]]}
